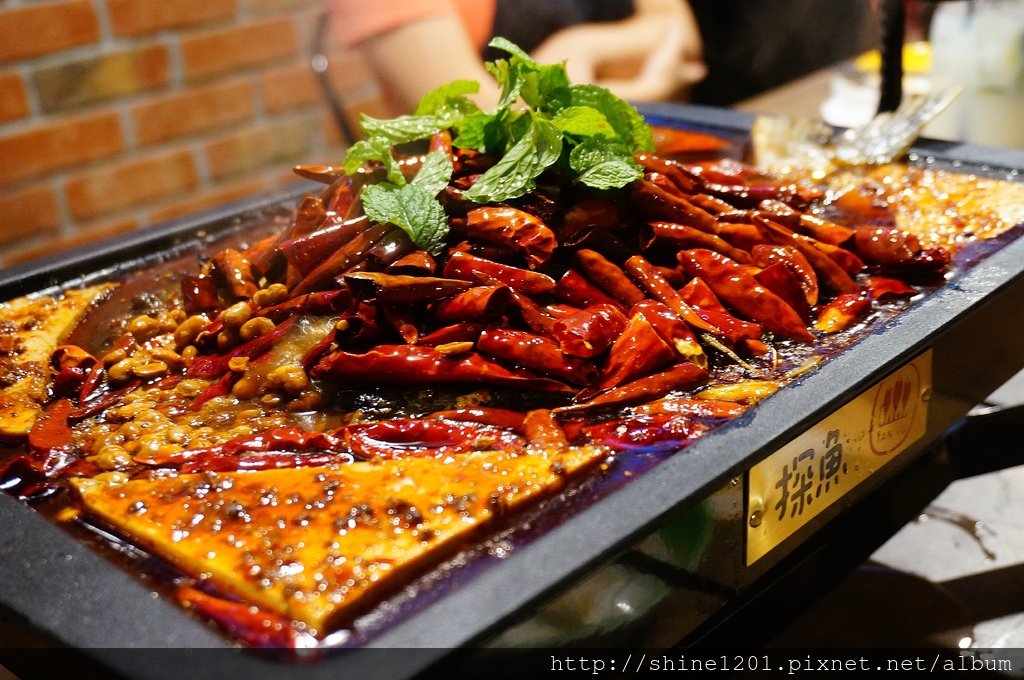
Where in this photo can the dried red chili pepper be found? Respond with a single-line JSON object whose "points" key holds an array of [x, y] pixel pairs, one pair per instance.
{"points": [[402, 319], [514, 229], [816, 227], [536, 318], [234, 269], [715, 206], [574, 289], [87, 409], [649, 433], [411, 437], [601, 241], [476, 304], [458, 332], [50, 439], [274, 460], [416, 365], [209, 366], [535, 353], [323, 303], [560, 310], [589, 332], [843, 312], [655, 284], [592, 214], [219, 388], [608, 276], [281, 439], [199, 294], [743, 235], [766, 255], [899, 252], [733, 283], [779, 279], [341, 260], [475, 269], [542, 430], [750, 195], [655, 203], [689, 406], [304, 253], [676, 141], [829, 273], [735, 332], [879, 287], [397, 288], [395, 245], [637, 351], [242, 620], [679, 377], [672, 329], [681, 180], [659, 234], [484, 415], [418, 262], [72, 367]]}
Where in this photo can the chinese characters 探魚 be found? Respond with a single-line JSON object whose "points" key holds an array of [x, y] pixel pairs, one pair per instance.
{"points": [[800, 483]]}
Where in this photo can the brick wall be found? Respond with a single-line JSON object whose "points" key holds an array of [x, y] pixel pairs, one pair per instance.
{"points": [[115, 114]]}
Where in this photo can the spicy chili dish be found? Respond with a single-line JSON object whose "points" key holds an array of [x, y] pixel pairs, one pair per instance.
{"points": [[478, 309]]}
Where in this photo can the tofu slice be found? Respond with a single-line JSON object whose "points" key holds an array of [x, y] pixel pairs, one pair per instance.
{"points": [[322, 545], [30, 329]]}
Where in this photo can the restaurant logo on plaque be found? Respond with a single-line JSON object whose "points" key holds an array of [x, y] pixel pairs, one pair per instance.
{"points": [[895, 405]]}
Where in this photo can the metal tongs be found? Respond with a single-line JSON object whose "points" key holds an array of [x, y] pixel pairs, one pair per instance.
{"points": [[784, 145]]}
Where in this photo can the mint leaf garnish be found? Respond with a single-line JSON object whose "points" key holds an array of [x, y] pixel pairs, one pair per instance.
{"points": [[376, 149], [450, 100], [411, 208], [477, 131], [603, 166], [628, 123], [435, 173], [517, 171], [541, 120], [584, 121], [402, 129]]}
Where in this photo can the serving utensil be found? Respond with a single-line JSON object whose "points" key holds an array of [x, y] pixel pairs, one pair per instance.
{"points": [[784, 144]]}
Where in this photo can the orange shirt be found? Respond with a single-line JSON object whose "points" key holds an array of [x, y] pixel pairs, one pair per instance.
{"points": [[353, 21]]}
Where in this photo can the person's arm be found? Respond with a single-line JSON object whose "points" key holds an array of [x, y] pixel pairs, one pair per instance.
{"points": [[413, 46], [417, 57], [659, 47]]}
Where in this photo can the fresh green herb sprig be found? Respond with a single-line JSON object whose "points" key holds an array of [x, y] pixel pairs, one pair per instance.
{"points": [[541, 120]]}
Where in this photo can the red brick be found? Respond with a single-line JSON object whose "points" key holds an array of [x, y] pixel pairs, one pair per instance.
{"points": [[85, 234], [75, 83], [238, 47], [138, 17], [218, 196], [263, 146], [27, 212], [129, 184], [63, 144], [193, 111], [46, 27], [13, 97], [290, 87]]}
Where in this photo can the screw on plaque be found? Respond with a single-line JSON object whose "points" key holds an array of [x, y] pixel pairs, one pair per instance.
{"points": [[756, 513]]}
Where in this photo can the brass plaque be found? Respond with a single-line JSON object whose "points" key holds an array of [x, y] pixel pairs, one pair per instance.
{"points": [[796, 483]]}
